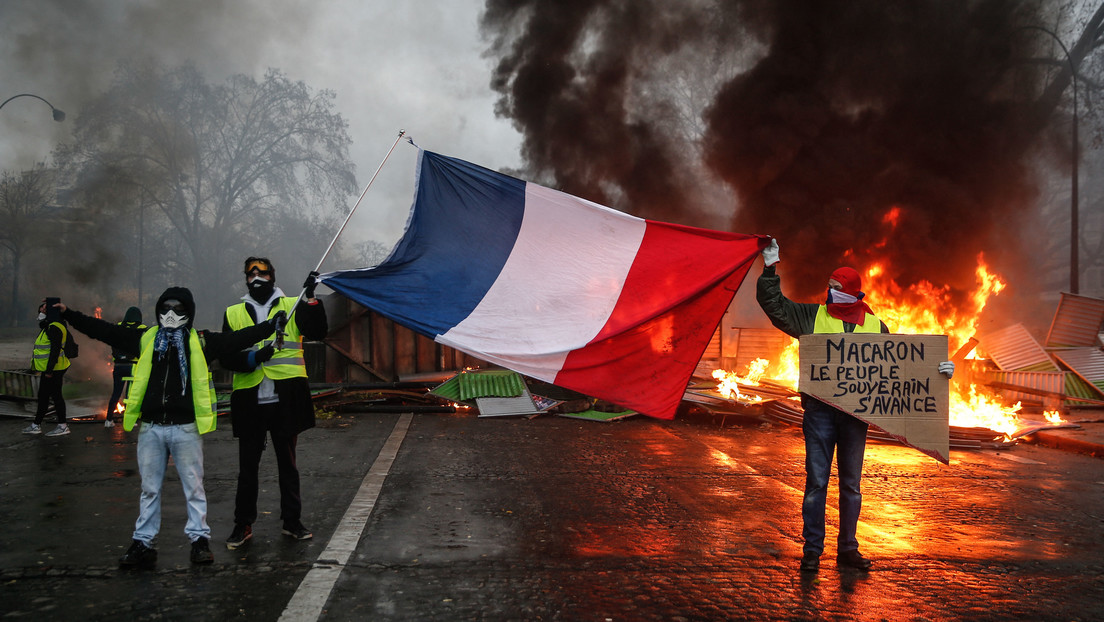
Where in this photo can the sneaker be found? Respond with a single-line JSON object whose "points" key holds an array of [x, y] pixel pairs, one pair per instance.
{"points": [[61, 430], [810, 562], [241, 534], [109, 423], [201, 552], [34, 428], [296, 530], [138, 555]]}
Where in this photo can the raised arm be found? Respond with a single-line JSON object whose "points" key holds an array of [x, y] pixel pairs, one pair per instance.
{"points": [[125, 339]]}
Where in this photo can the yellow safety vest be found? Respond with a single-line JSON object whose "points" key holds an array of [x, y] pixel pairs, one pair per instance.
{"points": [[826, 324], [41, 355], [286, 362], [203, 388]]}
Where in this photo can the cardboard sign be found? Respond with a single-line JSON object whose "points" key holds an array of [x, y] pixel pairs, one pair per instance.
{"points": [[890, 381]]}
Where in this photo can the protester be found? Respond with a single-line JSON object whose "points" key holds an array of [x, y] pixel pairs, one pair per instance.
{"points": [[172, 395], [51, 362], [827, 430], [271, 395], [122, 364]]}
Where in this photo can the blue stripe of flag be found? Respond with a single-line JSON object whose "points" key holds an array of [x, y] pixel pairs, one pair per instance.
{"points": [[462, 229]]}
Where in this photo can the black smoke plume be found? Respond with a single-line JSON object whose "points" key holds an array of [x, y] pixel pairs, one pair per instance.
{"points": [[818, 118]]}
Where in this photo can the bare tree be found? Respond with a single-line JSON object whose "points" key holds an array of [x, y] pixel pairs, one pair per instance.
{"points": [[24, 203], [224, 167]]}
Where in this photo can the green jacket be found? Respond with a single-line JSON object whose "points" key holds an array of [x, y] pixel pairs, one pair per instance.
{"points": [[793, 318]]}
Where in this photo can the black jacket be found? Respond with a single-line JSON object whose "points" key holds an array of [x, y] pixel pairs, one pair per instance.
{"points": [[132, 319], [167, 400], [294, 409]]}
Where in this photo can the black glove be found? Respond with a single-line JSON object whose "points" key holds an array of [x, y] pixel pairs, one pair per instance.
{"points": [[278, 321], [311, 283], [264, 354]]}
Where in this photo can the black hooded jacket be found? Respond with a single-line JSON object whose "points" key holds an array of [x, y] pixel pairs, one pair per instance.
{"points": [[132, 319], [166, 401]]}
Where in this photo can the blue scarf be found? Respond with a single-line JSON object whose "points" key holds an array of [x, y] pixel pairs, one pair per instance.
{"points": [[161, 346]]}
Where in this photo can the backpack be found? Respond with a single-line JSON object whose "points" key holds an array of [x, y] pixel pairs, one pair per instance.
{"points": [[72, 350]]}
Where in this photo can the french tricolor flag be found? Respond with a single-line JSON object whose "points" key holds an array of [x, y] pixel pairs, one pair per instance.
{"points": [[553, 286]]}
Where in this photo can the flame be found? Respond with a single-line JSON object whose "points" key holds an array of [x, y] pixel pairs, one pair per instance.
{"points": [[892, 217], [729, 382], [923, 308], [98, 313], [120, 408]]}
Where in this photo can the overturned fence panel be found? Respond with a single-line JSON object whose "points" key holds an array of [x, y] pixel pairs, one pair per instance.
{"points": [[366, 346]]}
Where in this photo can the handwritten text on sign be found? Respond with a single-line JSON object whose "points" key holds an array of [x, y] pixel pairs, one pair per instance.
{"points": [[891, 381]]}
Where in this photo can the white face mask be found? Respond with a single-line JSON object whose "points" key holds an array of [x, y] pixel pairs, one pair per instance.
{"points": [[836, 296], [41, 316], [170, 319]]}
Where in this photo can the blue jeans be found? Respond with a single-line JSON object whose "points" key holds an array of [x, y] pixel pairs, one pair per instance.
{"points": [[830, 431], [155, 444]]}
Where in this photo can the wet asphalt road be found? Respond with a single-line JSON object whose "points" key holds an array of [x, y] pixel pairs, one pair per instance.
{"points": [[557, 519]]}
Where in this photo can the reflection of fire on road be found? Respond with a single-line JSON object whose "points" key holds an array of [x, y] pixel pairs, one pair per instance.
{"points": [[920, 309]]}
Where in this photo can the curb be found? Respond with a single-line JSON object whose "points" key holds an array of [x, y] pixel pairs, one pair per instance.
{"points": [[1059, 441]]}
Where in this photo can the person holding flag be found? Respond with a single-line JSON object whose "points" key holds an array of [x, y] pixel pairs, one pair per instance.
{"points": [[271, 395], [827, 430]]}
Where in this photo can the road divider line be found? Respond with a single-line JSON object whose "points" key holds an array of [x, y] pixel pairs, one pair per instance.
{"points": [[313, 592]]}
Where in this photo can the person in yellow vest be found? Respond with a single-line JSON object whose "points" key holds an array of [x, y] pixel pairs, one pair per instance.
{"points": [[827, 430], [50, 362], [172, 397], [122, 366], [271, 396]]}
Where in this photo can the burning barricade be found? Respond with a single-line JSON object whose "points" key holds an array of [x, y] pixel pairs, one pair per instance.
{"points": [[998, 374]]}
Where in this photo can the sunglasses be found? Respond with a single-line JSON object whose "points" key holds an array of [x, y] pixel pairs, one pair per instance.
{"points": [[258, 270]]}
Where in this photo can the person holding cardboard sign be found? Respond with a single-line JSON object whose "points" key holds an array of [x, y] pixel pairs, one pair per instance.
{"points": [[827, 430]]}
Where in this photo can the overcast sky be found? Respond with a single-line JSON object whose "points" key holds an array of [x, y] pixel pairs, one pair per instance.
{"points": [[416, 65]]}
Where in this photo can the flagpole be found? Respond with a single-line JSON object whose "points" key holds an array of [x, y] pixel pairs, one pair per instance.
{"points": [[280, 332], [355, 205]]}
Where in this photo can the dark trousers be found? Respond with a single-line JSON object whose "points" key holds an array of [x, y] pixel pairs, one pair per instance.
{"points": [[49, 388], [250, 449], [829, 432], [122, 370]]}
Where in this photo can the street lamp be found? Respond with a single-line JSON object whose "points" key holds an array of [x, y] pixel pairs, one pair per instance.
{"points": [[1073, 169], [59, 116]]}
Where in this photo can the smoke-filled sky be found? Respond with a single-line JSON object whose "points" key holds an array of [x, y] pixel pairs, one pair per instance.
{"points": [[418, 66], [804, 120]]}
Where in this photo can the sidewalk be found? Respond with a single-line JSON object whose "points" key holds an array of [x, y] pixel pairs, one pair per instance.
{"points": [[1087, 439]]}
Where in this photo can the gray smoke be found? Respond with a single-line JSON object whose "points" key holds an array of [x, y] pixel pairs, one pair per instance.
{"points": [[68, 53]]}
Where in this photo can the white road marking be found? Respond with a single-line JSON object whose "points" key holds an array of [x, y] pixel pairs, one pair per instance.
{"points": [[311, 596]]}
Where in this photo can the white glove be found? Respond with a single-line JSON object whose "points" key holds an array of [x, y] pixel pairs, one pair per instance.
{"points": [[947, 369], [770, 253]]}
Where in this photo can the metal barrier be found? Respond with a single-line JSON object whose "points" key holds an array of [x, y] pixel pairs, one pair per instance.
{"points": [[18, 384]]}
